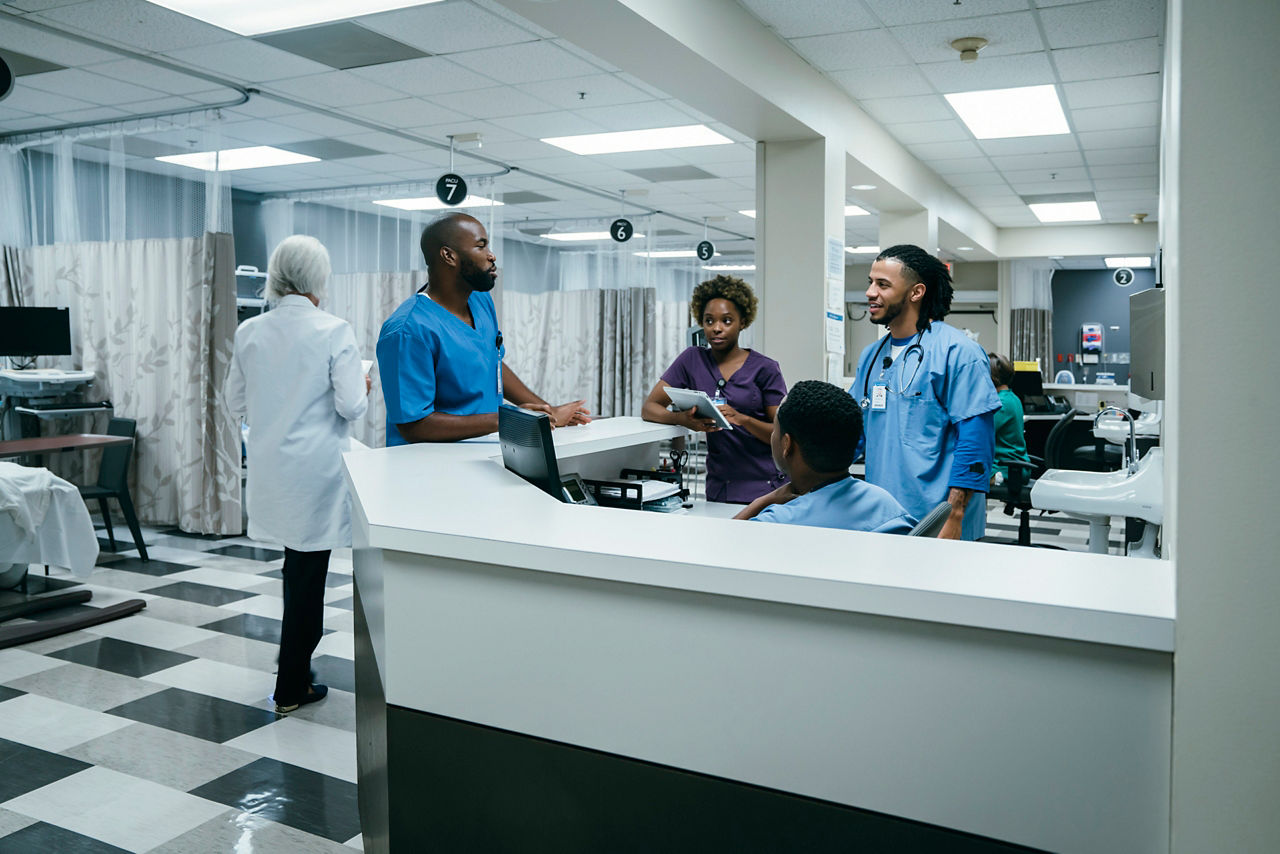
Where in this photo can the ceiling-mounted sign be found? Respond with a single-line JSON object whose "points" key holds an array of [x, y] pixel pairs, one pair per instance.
{"points": [[706, 250], [621, 230], [6, 79], [451, 189], [1123, 277]]}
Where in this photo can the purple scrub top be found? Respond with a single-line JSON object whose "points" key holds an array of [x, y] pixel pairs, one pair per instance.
{"points": [[739, 466]]}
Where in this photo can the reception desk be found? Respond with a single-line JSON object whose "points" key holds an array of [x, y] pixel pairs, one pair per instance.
{"points": [[539, 676]]}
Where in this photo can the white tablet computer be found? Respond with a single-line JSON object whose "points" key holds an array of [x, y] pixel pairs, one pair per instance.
{"points": [[684, 398]]}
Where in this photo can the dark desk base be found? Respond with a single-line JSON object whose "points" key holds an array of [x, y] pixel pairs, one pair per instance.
{"points": [[431, 783]]}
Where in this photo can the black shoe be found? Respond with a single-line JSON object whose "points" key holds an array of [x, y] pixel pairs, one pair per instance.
{"points": [[314, 694]]}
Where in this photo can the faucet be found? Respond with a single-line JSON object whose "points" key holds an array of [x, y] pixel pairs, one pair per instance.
{"points": [[1132, 448]]}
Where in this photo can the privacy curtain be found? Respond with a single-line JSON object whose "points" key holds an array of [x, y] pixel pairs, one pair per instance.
{"points": [[1032, 337]]}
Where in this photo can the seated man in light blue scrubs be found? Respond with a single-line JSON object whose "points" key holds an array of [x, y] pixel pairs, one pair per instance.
{"points": [[815, 436], [440, 353]]}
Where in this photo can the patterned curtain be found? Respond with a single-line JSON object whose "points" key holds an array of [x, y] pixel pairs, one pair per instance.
{"points": [[592, 344], [1032, 336], [366, 300], [153, 320]]}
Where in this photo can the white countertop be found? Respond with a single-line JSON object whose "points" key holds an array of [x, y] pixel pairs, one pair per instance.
{"points": [[457, 501]]}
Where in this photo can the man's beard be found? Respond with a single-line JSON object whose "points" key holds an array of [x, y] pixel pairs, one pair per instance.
{"points": [[477, 279], [891, 311]]}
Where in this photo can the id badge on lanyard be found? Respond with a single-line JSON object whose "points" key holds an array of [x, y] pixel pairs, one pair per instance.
{"points": [[879, 397]]}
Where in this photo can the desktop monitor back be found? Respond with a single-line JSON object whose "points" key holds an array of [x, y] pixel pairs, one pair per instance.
{"points": [[1029, 387], [26, 331], [527, 449]]}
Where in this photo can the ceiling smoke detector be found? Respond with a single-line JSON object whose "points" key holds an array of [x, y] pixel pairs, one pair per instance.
{"points": [[969, 48], [1137, 218]]}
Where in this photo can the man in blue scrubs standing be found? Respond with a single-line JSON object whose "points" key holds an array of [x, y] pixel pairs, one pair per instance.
{"points": [[926, 394], [440, 353]]}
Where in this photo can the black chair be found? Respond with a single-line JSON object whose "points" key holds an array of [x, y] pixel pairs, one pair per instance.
{"points": [[931, 524], [113, 482], [1022, 476]]}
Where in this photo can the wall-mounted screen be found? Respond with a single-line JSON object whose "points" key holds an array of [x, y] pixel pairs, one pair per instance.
{"points": [[35, 331]]}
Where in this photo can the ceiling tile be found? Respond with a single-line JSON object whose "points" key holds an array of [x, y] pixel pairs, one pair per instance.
{"points": [[447, 27], [154, 76], [649, 114], [246, 59], [490, 103], [990, 72], [93, 114], [525, 63], [596, 90], [322, 125], [1110, 156], [841, 51], [1023, 177], [519, 151], [894, 82], [1006, 34], [85, 86], [383, 142], [961, 166], [462, 124], [1117, 90], [1126, 170], [1054, 160], [1146, 114], [1029, 144], [587, 56], [911, 133], [391, 163], [920, 108], [428, 76], [944, 150], [37, 102], [25, 39], [403, 112], [335, 89], [158, 105], [1126, 138], [1120, 59], [895, 12], [1103, 21], [262, 107], [542, 125], [1125, 195], [262, 132], [136, 24], [986, 182], [792, 18], [1037, 188]]}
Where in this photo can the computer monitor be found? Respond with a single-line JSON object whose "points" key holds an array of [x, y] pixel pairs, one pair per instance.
{"points": [[35, 331], [527, 449], [1029, 387]]}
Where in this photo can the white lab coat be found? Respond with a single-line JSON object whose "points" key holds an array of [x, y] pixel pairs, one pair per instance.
{"points": [[295, 378]]}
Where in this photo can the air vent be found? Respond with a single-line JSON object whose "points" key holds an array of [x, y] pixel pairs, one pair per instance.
{"points": [[659, 174], [341, 46]]}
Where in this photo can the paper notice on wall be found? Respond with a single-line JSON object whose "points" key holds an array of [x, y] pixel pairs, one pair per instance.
{"points": [[835, 293], [835, 369], [835, 332], [835, 257]]}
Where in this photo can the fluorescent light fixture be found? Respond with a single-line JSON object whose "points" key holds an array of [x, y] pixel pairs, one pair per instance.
{"points": [[669, 253], [253, 17], [431, 203], [849, 210], [231, 159], [862, 186], [1004, 113], [653, 139], [728, 267], [1129, 261], [581, 236], [1066, 211], [964, 248], [862, 250]]}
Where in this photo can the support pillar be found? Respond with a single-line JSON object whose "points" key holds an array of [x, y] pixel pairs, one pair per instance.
{"points": [[919, 228]]}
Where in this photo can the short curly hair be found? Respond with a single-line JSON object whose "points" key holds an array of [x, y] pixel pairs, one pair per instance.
{"points": [[824, 421], [731, 288]]}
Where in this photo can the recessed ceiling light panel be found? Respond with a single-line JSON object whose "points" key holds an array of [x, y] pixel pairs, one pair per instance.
{"points": [[1066, 211], [652, 139], [1129, 261], [1006, 113], [581, 236], [254, 17], [431, 203], [231, 159], [729, 267]]}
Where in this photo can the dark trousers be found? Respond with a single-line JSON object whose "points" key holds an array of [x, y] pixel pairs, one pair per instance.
{"points": [[304, 588]]}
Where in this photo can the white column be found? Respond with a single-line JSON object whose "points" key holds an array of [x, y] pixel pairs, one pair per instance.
{"points": [[799, 202], [1219, 205], [919, 228]]}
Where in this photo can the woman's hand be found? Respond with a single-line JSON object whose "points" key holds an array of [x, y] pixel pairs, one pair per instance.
{"points": [[733, 416], [691, 419], [368, 384]]}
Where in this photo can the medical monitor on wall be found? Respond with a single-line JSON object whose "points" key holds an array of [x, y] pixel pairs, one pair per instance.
{"points": [[35, 331], [527, 449]]}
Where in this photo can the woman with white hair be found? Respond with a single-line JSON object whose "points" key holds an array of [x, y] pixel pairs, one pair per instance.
{"points": [[295, 378]]}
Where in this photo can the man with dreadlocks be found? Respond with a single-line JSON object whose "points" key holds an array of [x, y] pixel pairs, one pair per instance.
{"points": [[926, 394]]}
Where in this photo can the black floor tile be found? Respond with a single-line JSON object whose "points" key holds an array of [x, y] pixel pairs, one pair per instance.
{"points": [[28, 768], [335, 672], [38, 582], [210, 718], [146, 567], [347, 604], [331, 579], [251, 626], [7, 693], [123, 544], [315, 803], [130, 659], [41, 838], [178, 532], [205, 594], [250, 552]]}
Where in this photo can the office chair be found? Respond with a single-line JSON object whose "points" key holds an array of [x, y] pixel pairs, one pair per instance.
{"points": [[931, 524], [1061, 452], [113, 482]]}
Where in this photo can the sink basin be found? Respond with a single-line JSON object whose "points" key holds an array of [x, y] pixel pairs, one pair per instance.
{"points": [[1115, 429], [1115, 493]]}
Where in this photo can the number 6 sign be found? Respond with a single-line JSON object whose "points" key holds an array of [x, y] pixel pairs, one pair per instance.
{"points": [[621, 230]]}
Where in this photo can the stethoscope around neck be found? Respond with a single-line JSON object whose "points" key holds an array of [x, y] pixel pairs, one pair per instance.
{"points": [[902, 360]]}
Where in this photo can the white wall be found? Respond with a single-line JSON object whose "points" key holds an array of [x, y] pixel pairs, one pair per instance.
{"points": [[1219, 208]]}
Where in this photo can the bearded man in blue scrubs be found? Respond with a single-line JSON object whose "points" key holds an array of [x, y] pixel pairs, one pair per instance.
{"points": [[440, 353], [926, 394]]}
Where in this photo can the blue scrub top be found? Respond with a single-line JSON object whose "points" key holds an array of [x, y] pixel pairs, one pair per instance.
{"points": [[850, 504], [430, 361], [911, 443]]}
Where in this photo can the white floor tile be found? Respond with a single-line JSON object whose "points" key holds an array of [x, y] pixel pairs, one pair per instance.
{"points": [[216, 679], [270, 606], [342, 591], [118, 809], [151, 632], [341, 644], [219, 578], [308, 745], [53, 725], [17, 663], [356, 842]]}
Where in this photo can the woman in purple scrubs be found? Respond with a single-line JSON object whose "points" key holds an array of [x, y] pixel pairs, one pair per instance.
{"points": [[739, 462]]}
